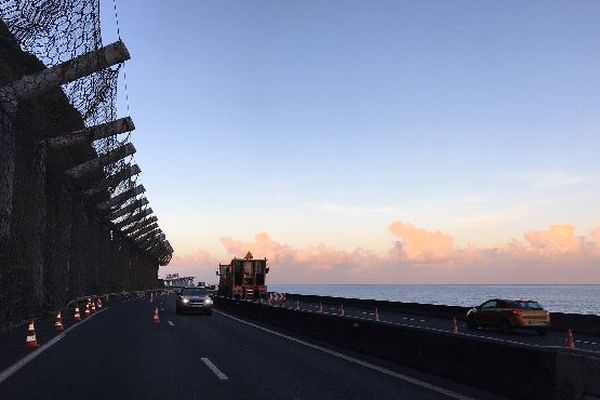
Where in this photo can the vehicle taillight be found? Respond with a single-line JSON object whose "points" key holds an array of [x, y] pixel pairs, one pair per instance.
{"points": [[516, 313]]}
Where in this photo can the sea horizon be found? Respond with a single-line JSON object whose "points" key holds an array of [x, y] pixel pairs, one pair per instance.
{"points": [[568, 298]]}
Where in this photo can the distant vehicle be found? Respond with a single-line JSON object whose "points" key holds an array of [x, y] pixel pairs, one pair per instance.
{"points": [[243, 278], [211, 289], [509, 314], [193, 299]]}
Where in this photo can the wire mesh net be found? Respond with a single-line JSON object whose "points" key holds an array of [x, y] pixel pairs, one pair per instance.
{"points": [[47, 209]]}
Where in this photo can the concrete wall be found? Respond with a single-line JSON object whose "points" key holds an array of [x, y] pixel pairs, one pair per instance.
{"points": [[518, 371], [579, 323]]}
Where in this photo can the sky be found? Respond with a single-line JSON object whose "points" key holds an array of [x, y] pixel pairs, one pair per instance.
{"points": [[370, 142]]}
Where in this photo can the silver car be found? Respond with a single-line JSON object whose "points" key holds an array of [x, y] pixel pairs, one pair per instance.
{"points": [[193, 299]]}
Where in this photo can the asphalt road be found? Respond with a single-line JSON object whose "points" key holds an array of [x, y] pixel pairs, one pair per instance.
{"points": [[552, 339], [121, 354]]}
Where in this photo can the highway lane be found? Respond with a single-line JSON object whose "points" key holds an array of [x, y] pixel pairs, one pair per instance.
{"points": [[553, 338], [121, 354]]}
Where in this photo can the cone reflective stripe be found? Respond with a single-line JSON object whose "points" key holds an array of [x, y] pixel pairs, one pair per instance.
{"points": [[376, 316], [155, 318], [570, 341], [454, 325], [77, 315], [320, 307], [31, 339], [93, 308], [58, 325], [87, 310], [342, 310]]}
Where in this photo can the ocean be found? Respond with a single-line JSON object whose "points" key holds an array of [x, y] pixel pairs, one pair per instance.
{"points": [[581, 299]]}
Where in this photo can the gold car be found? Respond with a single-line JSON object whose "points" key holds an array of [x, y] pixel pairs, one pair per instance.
{"points": [[509, 314]]}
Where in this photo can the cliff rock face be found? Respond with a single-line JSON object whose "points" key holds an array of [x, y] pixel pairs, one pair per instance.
{"points": [[58, 246]]}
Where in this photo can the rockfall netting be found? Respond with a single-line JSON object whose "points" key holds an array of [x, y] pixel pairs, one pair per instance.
{"points": [[54, 243]]}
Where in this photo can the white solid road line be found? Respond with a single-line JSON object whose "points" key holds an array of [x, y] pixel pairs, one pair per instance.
{"points": [[4, 375], [366, 364], [214, 369], [170, 323]]}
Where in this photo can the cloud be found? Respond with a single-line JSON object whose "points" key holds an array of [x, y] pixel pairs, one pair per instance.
{"points": [[557, 240], [419, 245], [199, 264], [550, 180], [307, 264], [553, 255]]}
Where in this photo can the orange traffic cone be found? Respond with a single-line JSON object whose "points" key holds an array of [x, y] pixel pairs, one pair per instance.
{"points": [[376, 316], [58, 325], [93, 308], [342, 310], [99, 304], [87, 310], [570, 341], [320, 307], [155, 318], [454, 325], [77, 315], [30, 339]]}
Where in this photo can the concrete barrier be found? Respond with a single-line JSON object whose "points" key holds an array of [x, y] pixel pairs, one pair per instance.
{"points": [[578, 323], [514, 370]]}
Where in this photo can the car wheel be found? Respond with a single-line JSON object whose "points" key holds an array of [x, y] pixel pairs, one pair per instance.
{"points": [[506, 327], [471, 324], [542, 331]]}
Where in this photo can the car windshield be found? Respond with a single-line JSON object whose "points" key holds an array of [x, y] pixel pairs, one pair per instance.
{"points": [[530, 305], [194, 292]]}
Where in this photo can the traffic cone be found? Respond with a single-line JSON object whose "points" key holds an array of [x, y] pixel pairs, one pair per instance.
{"points": [[30, 339], [570, 341], [93, 308], [155, 318], [320, 307], [151, 298], [297, 304], [77, 316], [87, 310], [376, 316], [342, 310], [454, 325], [99, 304], [58, 325]]}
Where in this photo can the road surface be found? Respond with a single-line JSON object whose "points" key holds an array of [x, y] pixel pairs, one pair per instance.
{"points": [[120, 354]]}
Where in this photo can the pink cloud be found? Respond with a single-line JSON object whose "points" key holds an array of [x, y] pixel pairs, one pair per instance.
{"points": [[308, 264], [419, 245], [553, 255], [199, 264]]}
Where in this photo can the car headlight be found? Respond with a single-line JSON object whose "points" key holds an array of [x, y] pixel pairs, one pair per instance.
{"points": [[208, 301], [185, 301]]}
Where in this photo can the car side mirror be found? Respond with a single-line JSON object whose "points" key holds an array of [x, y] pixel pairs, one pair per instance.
{"points": [[217, 273], [267, 270]]}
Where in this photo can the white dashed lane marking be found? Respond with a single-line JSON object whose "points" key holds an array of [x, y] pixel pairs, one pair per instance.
{"points": [[365, 364], [214, 369]]}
